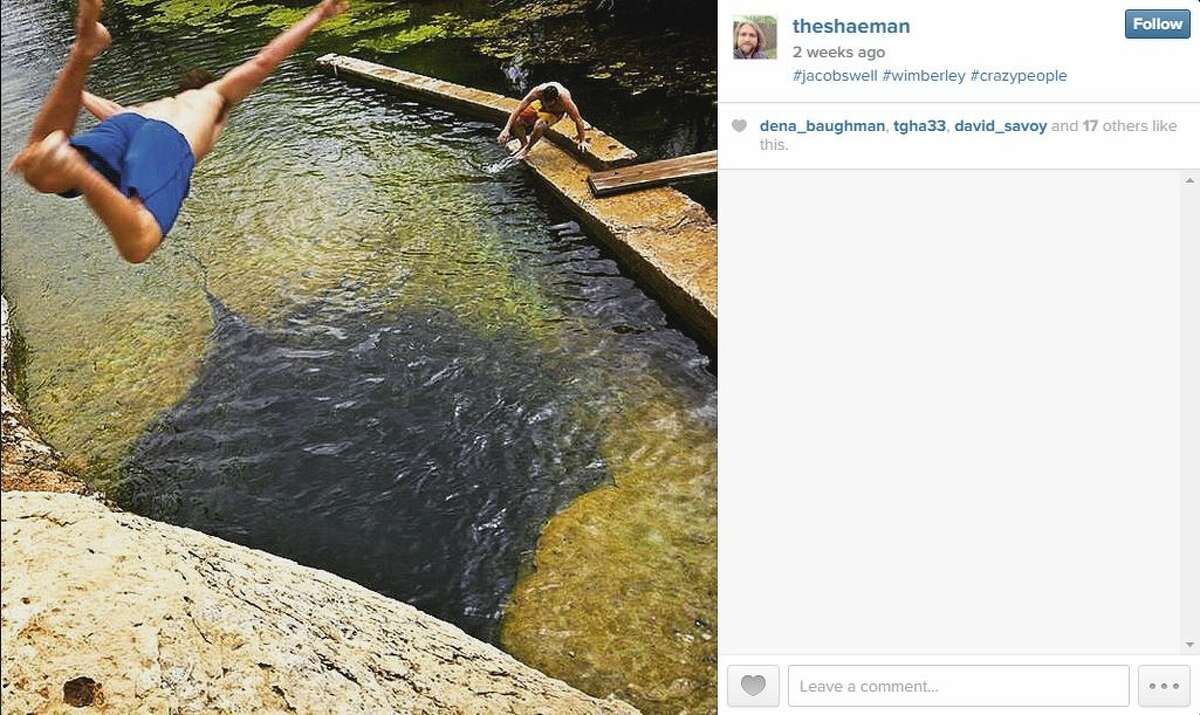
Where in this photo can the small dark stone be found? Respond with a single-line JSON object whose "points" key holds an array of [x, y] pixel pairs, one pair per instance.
{"points": [[81, 692]]}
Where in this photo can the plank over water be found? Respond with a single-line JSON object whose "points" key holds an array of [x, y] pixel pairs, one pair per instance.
{"points": [[603, 152], [654, 173], [664, 240]]}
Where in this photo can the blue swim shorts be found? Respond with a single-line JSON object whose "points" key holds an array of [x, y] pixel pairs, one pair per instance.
{"points": [[142, 157]]}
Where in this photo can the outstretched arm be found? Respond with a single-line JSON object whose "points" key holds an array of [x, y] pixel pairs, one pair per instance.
{"points": [[506, 133], [243, 79], [580, 127], [99, 107]]}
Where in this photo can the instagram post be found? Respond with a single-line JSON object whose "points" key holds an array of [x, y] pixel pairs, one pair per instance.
{"points": [[362, 356]]}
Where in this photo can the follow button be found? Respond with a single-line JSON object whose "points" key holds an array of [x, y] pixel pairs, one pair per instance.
{"points": [[1158, 24]]}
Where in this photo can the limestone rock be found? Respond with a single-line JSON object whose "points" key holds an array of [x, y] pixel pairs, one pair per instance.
{"points": [[109, 611], [131, 615]]}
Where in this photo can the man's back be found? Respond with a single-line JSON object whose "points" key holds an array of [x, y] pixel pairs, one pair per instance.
{"points": [[559, 103], [196, 113]]}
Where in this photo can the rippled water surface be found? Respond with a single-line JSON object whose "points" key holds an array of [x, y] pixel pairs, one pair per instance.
{"points": [[362, 350]]}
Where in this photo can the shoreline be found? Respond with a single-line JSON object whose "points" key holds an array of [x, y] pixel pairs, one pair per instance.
{"points": [[107, 608], [28, 462]]}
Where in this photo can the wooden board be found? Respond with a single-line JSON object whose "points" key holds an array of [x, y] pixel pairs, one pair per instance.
{"points": [[663, 240], [654, 173], [604, 151]]}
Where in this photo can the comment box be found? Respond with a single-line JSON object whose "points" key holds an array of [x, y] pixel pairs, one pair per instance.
{"points": [[958, 686]]}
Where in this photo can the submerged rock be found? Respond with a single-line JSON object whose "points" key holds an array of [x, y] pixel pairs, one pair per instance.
{"points": [[111, 609], [106, 609]]}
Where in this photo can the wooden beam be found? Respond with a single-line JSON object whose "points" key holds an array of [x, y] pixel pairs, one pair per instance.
{"points": [[604, 151], [663, 239], [653, 173]]}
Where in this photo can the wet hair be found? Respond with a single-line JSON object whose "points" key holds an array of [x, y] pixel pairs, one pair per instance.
{"points": [[195, 79], [549, 93]]}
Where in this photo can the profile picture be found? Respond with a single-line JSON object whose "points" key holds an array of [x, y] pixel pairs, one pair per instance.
{"points": [[754, 37]]}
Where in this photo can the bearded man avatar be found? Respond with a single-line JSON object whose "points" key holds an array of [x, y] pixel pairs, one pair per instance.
{"points": [[749, 43]]}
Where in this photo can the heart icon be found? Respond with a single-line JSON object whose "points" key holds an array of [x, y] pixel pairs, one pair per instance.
{"points": [[739, 125], [753, 684]]}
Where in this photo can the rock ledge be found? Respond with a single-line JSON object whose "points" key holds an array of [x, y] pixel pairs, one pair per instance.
{"points": [[114, 612]]}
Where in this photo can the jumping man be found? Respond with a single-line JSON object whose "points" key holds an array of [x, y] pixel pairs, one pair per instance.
{"points": [[134, 168], [541, 109]]}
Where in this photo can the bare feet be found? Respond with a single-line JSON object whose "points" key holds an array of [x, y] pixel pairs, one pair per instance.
{"points": [[522, 149], [88, 15], [96, 41], [90, 36], [332, 8], [51, 165]]}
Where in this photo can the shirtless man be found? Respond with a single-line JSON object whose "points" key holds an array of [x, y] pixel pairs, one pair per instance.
{"points": [[541, 109], [134, 168]]}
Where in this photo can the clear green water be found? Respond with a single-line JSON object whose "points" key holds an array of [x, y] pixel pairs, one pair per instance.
{"points": [[356, 327]]}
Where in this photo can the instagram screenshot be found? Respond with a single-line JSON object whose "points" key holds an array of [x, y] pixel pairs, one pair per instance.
{"points": [[600, 356]]}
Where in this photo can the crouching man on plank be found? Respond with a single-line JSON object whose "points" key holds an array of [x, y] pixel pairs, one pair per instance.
{"points": [[541, 109]]}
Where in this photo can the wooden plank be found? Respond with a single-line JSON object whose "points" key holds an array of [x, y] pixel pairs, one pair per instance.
{"points": [[603, 151], [653, 173], [666, 241]]}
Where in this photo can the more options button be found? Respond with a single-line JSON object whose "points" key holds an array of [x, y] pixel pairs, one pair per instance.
{"points": [[1158, 24]]}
